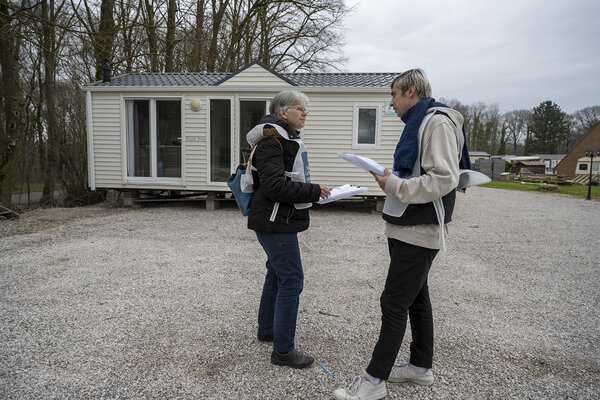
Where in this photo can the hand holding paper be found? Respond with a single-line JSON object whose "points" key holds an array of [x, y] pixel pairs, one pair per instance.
{"points": [[363, 162], [341, 192]]}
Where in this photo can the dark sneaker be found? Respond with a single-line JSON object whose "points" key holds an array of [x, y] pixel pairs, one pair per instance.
{"points": [[267, 337], [291, 359]]}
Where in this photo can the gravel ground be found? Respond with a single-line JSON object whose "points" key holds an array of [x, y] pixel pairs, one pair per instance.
{"points": [[161, 302]]}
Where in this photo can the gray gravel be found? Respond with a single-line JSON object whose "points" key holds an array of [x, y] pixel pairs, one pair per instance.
{"points": [[162, 302]]}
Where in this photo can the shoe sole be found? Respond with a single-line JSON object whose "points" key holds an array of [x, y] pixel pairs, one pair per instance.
{"points": [[286, 364], [376, 396], [401, 380]]}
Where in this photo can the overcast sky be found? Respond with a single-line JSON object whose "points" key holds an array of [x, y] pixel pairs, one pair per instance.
{"points": [[514, 53]]}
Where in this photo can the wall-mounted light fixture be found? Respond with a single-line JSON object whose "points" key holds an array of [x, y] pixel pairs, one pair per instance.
{"points": [[195, 105]]}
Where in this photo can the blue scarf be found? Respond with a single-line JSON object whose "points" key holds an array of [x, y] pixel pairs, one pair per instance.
{"points": [[407, 148]]}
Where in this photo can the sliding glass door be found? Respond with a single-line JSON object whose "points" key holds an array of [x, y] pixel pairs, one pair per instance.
{"points": [[220, 139], [153, 138]]}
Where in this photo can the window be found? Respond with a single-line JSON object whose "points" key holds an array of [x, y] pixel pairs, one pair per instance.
{"points": [[220, 139], [251, 111], [153, 138], [366, 126], [583, 167]]}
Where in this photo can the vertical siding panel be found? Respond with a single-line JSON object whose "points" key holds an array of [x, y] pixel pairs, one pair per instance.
{"points": [[329, 130], [106, 128], [196, 138]]}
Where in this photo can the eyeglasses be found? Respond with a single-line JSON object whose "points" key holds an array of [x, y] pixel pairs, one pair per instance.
{"points": [[301, 109]]}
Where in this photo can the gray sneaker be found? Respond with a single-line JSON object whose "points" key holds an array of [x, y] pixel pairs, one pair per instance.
{"points": [[361, 389], [404, 373]]}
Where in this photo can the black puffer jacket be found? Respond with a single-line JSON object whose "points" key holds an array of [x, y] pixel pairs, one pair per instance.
{"points": [[271, 185]]}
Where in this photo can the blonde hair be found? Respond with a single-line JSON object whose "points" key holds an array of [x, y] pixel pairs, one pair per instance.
{"points": [[413, 77]]}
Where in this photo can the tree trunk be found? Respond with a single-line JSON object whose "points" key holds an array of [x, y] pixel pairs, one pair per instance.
{"points": [[198, 48], [48, 51], [152, 36], [170, 38], [216, 27], [11, 131], [104, 38]]}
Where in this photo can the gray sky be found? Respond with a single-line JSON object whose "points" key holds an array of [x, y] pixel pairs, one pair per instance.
{"points": [[514, 53]]}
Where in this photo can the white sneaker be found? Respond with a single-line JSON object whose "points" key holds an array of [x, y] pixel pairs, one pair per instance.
{"points": [[405, 373], [362, 389]]}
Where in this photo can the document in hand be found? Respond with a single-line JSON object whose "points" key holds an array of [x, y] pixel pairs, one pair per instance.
{"points": [[363, 162], [341, 192], [468, 178]]}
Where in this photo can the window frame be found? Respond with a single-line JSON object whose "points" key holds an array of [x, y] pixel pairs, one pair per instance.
{"points": [[153, 178], [355, 124]]}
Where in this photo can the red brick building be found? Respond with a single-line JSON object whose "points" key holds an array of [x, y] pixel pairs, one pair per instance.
{"points": [[591, 141]]}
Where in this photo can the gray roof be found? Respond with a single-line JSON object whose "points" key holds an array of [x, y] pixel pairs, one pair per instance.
{"points": [[350, 79], [146, 79]]}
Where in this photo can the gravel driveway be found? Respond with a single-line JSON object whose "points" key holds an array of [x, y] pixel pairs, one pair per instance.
{"points": [[161, 302]]}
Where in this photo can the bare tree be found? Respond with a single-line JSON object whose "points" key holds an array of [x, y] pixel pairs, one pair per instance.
{"points": [[581, 122], [101, 30], [516, 126], [198, 49], [152, 34], [218, 10]]}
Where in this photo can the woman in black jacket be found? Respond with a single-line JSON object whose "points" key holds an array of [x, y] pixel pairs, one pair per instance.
{"points": [[279, 210]]}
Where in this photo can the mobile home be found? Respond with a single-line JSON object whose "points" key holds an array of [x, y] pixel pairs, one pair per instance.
{"points": [[187, 131]]}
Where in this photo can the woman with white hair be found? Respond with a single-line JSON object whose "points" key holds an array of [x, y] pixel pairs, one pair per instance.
{"points": [[278, 211]]}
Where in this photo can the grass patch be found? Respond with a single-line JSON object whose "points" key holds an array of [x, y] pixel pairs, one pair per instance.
{"points": [[573, 190]]}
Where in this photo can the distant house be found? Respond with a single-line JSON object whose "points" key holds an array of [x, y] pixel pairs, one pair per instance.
{"points": [[187, 131], [529, 168], [551, 161], [478, 155], [568, 165], [582, 172]]}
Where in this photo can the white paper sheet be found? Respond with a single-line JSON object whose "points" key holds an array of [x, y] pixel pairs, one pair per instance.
{"points": [[341, 192], [471, 178], [363, 162]]}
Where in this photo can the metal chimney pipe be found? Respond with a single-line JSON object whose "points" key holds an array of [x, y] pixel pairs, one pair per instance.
{"points": [[106, 70]]}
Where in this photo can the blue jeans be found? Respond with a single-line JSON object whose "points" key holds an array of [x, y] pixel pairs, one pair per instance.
{"points": [[284, 282]]}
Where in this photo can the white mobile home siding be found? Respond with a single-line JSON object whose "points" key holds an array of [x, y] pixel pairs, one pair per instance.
{"points": [[328, 130], [329, 127], [106, 129]]}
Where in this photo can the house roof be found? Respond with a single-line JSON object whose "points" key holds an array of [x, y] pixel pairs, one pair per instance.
{"points": [[532, 163], [478, 153], [145, 79], [549, 156], [174, 79]]}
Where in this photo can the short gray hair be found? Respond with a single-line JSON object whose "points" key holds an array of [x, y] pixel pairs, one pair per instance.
{"points": [[284, 100], [413, 77]]}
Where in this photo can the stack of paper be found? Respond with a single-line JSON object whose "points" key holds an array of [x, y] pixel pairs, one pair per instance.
{"points": [[342, 192], [363, 162]]}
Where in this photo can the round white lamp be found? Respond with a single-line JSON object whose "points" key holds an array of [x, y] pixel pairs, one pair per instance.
{"points": [[195, 104]]}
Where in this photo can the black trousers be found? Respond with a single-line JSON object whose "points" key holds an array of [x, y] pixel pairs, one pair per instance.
{"points": [[405, 294]]}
